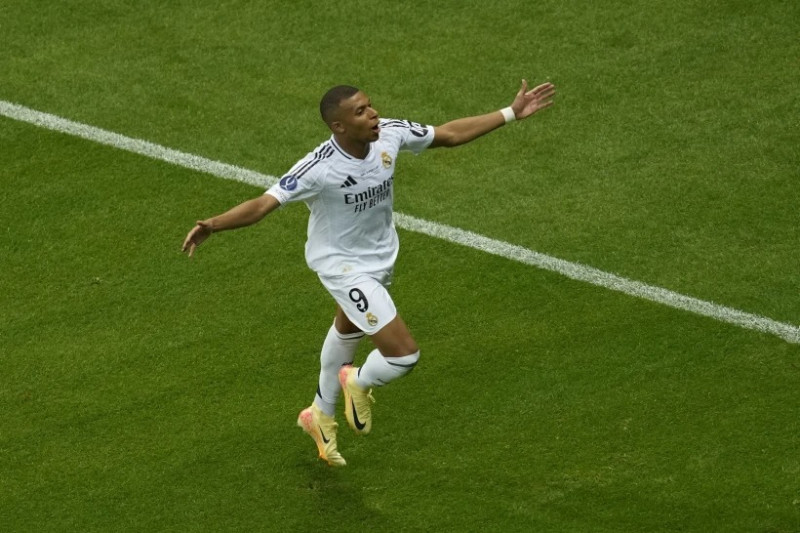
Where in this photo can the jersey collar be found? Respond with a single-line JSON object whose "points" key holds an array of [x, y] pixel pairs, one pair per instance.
{"points": [[345, 154]]}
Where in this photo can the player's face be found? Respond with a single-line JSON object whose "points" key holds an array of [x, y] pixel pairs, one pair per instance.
{"points": [[358, 118]]}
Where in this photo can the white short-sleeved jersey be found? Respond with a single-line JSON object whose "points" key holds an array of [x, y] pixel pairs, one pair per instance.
{"points": [[350, 228]]}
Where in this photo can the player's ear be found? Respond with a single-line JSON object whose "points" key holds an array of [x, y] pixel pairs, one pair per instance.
{"points": [[336, 126]]}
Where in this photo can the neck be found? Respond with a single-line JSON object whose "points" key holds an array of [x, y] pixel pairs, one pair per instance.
{"points": [[357, 149]]}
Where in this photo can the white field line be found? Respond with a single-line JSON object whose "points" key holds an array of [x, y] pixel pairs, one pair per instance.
{"points": [[576, 271]]}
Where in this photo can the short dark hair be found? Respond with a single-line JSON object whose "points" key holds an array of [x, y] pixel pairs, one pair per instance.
{"points": [[330, 101]]}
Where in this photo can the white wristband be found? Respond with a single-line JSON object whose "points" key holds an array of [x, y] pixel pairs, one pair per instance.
{"points": [[508, 114]]}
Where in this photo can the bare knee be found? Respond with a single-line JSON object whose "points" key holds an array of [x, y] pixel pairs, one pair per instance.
{"points": [[343, 324], [394, 339], [398, 347]]}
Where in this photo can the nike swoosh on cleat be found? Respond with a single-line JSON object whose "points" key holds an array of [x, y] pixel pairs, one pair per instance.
{"points": [[356, 421], [324, 439]]}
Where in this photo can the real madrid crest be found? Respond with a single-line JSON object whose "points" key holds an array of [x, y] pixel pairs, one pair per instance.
{"points": [[387, 160], [372, 320]]}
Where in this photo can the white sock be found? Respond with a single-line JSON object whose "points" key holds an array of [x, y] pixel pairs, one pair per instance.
{"points": [[379, 370], [337, 350]]}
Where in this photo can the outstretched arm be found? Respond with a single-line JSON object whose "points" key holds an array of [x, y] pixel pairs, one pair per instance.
{"points": [[244, 214], [526, 103]]}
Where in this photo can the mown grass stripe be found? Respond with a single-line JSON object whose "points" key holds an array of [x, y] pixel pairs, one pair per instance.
{"points": [[576, 271]]}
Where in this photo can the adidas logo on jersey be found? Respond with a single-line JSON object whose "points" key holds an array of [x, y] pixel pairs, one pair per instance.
{"points": [[349, 182]]}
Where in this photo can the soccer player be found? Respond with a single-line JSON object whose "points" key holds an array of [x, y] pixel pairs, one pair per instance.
{"points": [[347, 183]]}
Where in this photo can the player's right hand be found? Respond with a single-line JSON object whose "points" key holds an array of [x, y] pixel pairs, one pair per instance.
{"points": [[196, 236]]}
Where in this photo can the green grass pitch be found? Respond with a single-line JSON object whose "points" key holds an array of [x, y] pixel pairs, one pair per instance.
{"points": [[142, 391]]}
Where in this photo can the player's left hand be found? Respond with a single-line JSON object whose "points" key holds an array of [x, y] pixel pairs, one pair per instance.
{"points": [[528, 102]]}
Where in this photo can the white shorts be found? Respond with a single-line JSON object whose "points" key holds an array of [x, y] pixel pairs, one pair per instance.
{"points": [[363, 298]]}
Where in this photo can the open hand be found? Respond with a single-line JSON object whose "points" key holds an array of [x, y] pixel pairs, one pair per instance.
{"points": [[528, 102]]}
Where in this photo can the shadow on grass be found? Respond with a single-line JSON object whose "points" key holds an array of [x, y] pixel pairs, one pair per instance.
{"points": [[335, 498]]}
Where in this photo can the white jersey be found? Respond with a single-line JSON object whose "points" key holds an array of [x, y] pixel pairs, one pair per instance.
{"points": [[350, 229]]}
